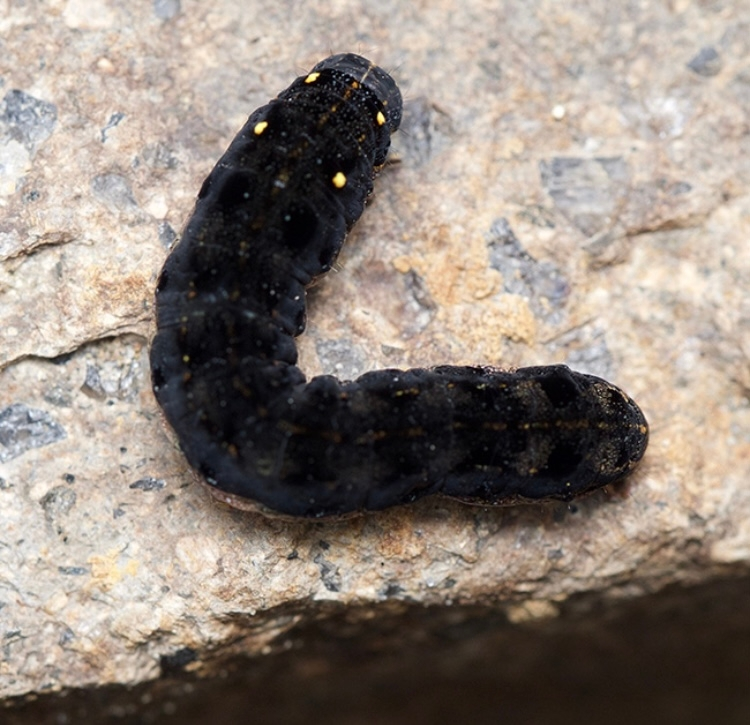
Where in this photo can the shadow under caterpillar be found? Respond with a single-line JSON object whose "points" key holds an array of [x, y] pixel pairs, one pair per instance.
{"points": [[271, 217]]}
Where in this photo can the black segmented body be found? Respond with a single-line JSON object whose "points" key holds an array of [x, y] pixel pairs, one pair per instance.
{"points": [[270, 217]]}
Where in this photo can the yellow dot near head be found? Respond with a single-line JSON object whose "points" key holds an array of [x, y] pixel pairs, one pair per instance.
{"points": [[260, 127], [380, 118], [339, 180], [312, 77]]}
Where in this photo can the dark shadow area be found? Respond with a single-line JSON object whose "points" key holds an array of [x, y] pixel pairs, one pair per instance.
{"points": [[680, 656]]}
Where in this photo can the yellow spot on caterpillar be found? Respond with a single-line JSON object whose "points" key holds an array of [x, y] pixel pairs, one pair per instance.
{"points": [[380, 119], [260, 127], [339, 180], [186, 359], [312, 77]]}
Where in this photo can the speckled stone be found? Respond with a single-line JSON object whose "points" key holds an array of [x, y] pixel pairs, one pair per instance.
{"points": [[559, 196]]}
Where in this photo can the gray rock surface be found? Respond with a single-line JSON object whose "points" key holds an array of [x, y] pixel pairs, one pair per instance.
{"points": [[561, 195]]}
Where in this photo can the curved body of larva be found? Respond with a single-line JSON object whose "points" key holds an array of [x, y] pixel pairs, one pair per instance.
{"points": [[272, 216]]}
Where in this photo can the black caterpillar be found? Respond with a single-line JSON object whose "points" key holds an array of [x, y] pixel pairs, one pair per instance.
{"points": [[270, 218]]}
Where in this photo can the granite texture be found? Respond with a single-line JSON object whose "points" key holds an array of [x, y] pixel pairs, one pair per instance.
{"points": [[559, 196]]}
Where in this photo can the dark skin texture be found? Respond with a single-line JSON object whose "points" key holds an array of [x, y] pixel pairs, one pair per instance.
{"points": [[270, 218]]}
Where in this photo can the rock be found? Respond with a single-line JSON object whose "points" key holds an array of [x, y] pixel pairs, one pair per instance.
{"points": [[612, 236]]}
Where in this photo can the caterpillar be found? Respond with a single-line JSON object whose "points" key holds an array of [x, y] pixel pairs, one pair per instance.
{"points": [[269, 219]]}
